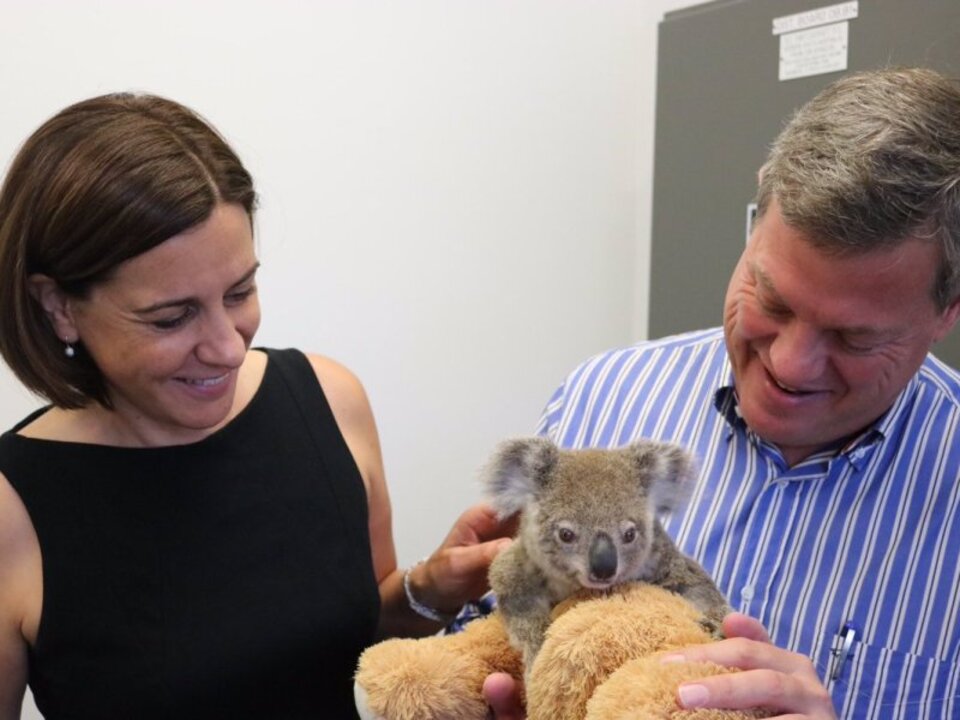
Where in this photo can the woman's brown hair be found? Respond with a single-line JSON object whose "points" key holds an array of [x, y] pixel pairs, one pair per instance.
{"points": [[99, 183]]}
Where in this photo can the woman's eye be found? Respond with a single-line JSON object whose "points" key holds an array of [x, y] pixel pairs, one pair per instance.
{"points": [[174, 322]]}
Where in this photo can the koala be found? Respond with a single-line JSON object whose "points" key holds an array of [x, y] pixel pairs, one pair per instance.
{"points": [[588, 519]]}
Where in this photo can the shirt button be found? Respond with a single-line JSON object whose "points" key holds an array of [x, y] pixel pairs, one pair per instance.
{"points": [[782, 484], [746, 592]]}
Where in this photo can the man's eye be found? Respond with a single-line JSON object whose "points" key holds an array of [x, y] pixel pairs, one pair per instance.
{"points": [[857, 348], [235, 298], [773, 309]]}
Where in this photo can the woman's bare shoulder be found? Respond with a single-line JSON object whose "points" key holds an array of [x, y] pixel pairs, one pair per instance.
{"points": [[19, 596], [343, 389]]}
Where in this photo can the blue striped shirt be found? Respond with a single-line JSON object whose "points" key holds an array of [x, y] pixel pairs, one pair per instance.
{"points": [[866, 535]]}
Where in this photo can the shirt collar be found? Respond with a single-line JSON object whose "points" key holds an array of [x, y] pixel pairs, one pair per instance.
{"points": [[726, 403]]}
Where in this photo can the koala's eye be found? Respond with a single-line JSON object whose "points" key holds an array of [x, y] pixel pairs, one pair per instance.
{"points": [[566, 535], [629, 535]]}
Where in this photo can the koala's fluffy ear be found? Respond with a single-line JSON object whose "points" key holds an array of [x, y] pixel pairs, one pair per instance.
{"points": [[515, 472], [668, 470]]}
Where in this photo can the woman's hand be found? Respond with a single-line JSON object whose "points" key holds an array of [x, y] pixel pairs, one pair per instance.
{"points": [[457, 571], [772, 677], [454, 574]]}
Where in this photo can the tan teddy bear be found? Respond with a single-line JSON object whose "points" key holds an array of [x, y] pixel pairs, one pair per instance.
{"points": [[599, 661], [592, 584]]}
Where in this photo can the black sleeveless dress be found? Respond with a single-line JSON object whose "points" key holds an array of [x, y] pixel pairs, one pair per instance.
{"points": [[230, 578]]}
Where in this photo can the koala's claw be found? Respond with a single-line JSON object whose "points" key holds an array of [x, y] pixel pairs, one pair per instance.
{"points": [[712, 627]]}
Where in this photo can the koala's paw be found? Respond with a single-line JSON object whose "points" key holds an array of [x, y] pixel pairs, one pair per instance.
{"points": [[712, 627]]}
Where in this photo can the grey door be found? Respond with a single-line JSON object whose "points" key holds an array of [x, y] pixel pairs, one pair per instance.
{"points": [[719, 104]]}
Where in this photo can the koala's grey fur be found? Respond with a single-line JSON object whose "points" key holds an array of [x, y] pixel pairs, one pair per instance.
{"points": [[588, 520]]}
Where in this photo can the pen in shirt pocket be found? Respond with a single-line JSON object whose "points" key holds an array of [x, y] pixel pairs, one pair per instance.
{"points": [[842, 649]]}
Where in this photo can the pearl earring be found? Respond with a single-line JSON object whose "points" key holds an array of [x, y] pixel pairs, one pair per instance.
{"points": [[69, 351]]}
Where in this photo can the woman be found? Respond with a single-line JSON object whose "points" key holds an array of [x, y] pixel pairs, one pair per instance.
{"points": [[192, 528]]}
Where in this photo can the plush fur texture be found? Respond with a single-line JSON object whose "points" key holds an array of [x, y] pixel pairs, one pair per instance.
{"points": [[598, 661], [435, 678]]}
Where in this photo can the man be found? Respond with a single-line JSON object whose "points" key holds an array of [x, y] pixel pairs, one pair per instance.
{"points": [[828, 506]]}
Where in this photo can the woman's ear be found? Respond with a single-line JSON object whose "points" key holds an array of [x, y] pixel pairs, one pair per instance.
{"points": [[56, 304]]}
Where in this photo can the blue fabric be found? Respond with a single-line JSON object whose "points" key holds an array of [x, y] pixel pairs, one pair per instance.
{"points": [[867, 534], [472, 611]]}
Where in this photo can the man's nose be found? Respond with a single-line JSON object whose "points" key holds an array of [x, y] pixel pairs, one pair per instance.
{"points": [[798, 354]]}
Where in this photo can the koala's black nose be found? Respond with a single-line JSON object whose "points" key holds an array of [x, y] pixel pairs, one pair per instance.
{"points": [[603, 557]]}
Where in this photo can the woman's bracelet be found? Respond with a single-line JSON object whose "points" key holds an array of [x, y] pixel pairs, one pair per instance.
{"points": [[418, 607]]}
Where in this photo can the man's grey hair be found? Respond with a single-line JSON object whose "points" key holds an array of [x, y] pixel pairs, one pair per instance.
{"points": [[871, 161]]}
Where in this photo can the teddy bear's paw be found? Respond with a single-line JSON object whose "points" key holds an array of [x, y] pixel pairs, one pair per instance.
{"points": [[423, 679], [361, 700]]}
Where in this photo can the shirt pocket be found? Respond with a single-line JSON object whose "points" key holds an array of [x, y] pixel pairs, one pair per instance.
{"points": [[886, 684]]}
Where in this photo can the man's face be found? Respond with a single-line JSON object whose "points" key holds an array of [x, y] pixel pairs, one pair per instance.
{"points": [[821, 345]]}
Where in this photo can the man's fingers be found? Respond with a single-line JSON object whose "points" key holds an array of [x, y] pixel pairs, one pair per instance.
{"points": [[780, 692], [739, 625], [502, 694], [746, 655], [770, 677]]}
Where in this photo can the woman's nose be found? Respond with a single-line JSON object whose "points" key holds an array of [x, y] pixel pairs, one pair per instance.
{"points": [[222, 344]]}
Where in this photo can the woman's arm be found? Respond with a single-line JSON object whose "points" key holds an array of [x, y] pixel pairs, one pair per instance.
{"points": [[19, 570], [354, 417], [457, 571]]}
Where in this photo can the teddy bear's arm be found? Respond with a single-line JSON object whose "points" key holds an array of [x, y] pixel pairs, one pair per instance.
{"points": [[523, 598]]}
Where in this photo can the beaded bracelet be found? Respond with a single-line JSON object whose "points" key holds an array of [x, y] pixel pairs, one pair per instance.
{"points": [[418, 607]]}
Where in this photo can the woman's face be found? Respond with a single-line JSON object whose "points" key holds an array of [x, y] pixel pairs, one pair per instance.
{"points": [[170, 329]]}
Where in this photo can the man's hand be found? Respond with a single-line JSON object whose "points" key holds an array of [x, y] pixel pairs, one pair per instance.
{"points": [[772, 677], [502, 694]]}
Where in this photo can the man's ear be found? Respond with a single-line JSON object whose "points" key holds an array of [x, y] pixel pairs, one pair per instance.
{"points": [[56, 304], [948, 318]]}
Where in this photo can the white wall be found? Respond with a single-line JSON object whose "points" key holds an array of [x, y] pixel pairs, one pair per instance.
{"points": [[455, 195]]}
